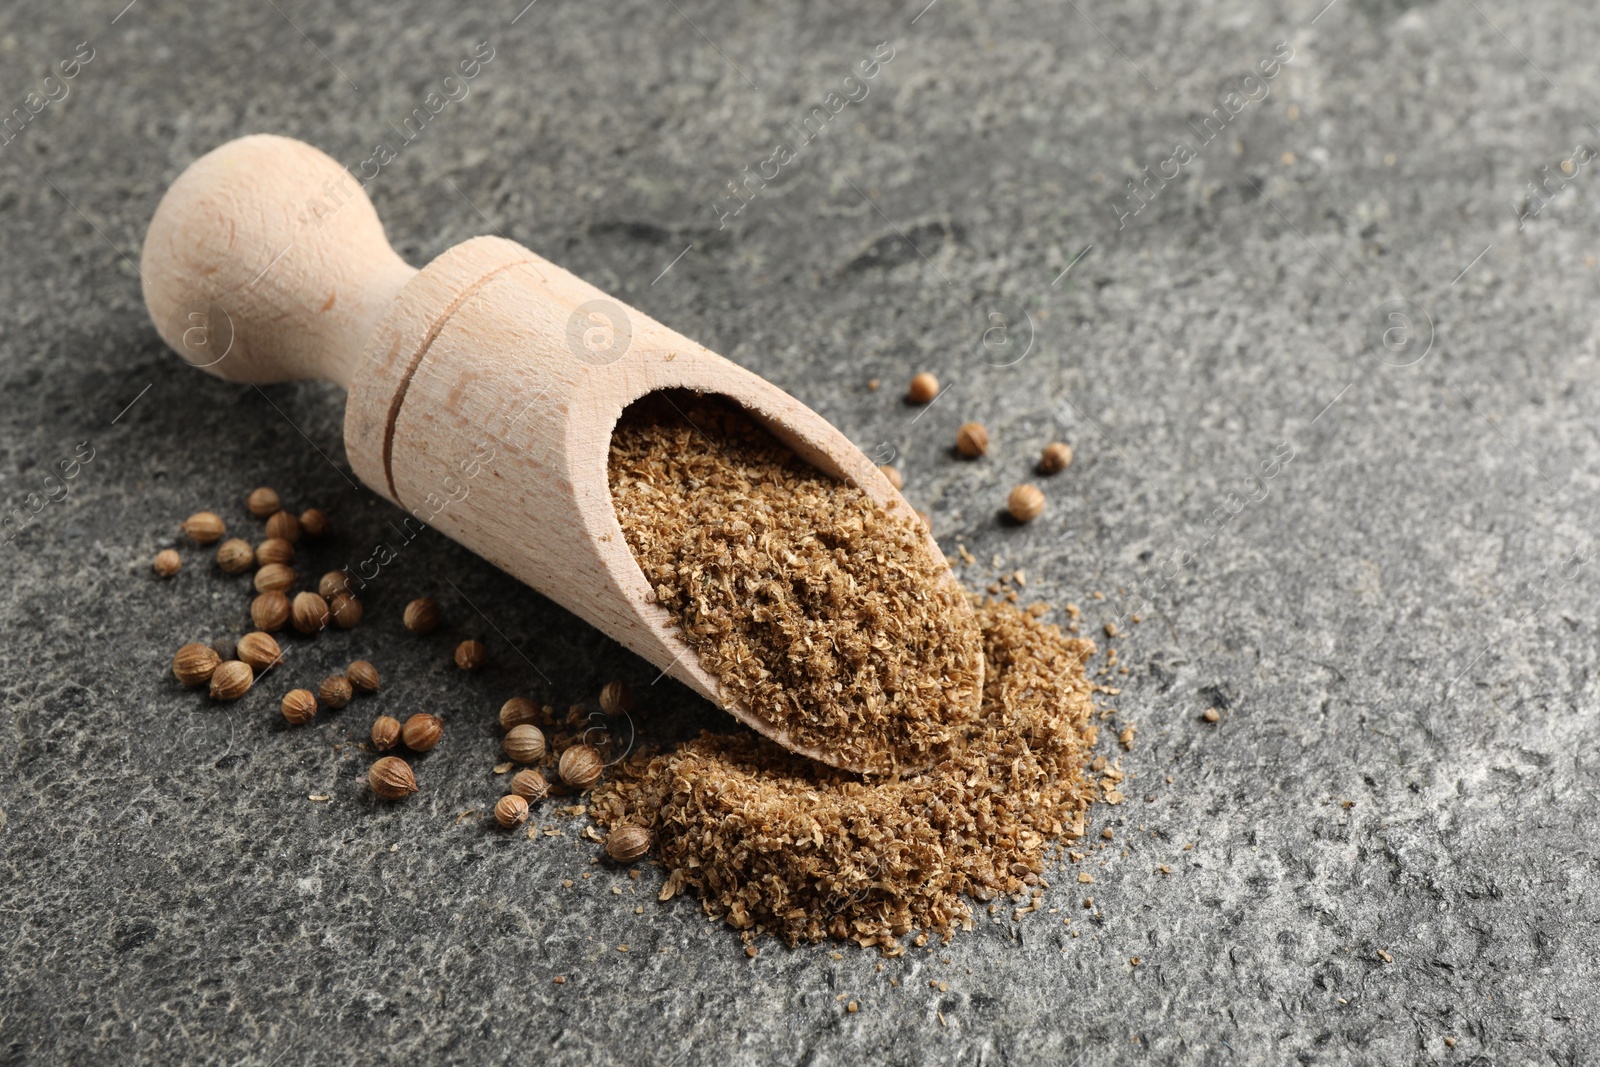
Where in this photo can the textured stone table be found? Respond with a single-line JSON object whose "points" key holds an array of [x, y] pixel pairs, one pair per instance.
{"points": [[1391, 824]]}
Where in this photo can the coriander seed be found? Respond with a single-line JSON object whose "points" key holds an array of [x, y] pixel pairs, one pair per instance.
{"points": [[235, 556], [346, 610], [275, 578], [309, 613], [972, 440], [193, 664], [314, 523], [274, 550], [204, 527], [335, 691], [422, 615], [517, 711], [627, 843], [924, 387], [333, 583], [385, 732], [262, 502], [231, 680], [1054, 458], [421, 732], [580, 766], [511, 811], [285, 525], [524, 743], [299, 706], [896, 479], [270, 612], [391, 778], [259, 650], [1025, 503], [530, 784], [167, 563], [616, 697], [363, 676], [470, 655]]}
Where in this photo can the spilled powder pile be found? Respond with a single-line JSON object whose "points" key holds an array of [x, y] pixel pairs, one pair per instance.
{"points": [[776, 843], [817, 610]]}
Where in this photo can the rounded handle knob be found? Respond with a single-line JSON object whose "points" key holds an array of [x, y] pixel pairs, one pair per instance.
{"points": [[266, 262]]}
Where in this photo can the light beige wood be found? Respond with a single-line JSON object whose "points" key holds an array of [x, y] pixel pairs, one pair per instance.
{"points": [[483, 389]]}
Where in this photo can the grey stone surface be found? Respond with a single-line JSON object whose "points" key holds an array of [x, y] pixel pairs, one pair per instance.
{"points": [[1391, 823]]}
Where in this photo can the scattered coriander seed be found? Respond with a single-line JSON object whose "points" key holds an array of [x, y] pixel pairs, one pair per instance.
{"points": [[972, 440], [924, 387], [1211, 715], [363, 676], [1025, 503], [524, 743], [225, 648], [385, 732], [231, 680], [335, 691], [391, 778], [274, 550], [270, 611], [511, 811], [275, 578], [333, 583], [262, 502], [235, 556], [892, 473], [283, 524], [204, 527], [167, 563], [1055, 458], [314, 523], [517, 711], [309, 613], [421, 732], [346, 610], [627, 843], [580, 766], [530, 785], [422, 615], [299, 706], [616, 697], [193, 664], [470, 655], [259, 650]]}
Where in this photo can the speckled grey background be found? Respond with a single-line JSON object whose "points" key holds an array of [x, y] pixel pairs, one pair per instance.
{"points": [[1392, 822]]}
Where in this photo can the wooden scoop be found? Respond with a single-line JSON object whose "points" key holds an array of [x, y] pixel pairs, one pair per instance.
{"points": [[483, 389]]}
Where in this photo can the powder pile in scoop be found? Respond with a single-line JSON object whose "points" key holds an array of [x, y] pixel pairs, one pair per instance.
{"points": [[818, 611]]}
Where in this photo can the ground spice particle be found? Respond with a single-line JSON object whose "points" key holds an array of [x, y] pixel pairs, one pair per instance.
{"points": [[772, 842], [820, 612]]}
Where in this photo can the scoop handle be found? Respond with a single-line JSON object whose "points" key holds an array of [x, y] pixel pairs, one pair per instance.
{"points": [[266, 262]]}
